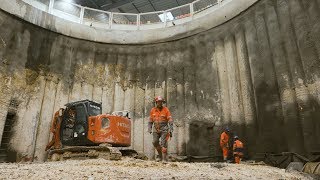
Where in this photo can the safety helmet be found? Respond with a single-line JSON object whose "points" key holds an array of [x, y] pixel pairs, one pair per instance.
{"points": [[235, 137], [159, 98], [227, 129]]}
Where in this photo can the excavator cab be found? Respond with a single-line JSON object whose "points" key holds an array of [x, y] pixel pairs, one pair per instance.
{"points": [[74, 125], [82, 123]]}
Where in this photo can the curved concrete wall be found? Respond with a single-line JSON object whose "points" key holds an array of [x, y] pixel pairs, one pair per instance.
{"points": [[201, 22], [258, 73]]}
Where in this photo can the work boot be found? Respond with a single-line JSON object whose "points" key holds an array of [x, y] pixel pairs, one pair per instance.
{"points": [[159, 157], [225, 159], [165, 157]]}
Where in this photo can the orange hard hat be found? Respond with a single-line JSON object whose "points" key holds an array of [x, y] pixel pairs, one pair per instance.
{"points": [[159, 98]]}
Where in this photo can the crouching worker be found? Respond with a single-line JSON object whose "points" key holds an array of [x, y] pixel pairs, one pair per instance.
{"points": [[161, 127], [237, 150]]}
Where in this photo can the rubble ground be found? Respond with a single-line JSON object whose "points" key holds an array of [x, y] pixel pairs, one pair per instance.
{"points": [[129, 168]]}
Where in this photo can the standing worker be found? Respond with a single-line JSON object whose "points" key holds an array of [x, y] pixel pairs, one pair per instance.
{"points": [[224, 143], [161, 127], [237, 150]]}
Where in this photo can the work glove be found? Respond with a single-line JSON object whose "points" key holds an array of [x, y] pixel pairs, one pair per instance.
{"points": [[170, 124]]}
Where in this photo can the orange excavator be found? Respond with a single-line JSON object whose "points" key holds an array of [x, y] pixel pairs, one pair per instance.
{"points": [[81, 130]]}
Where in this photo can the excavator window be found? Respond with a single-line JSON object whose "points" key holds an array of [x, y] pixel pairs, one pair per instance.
{"points": [[94, 109], [81, 113]]}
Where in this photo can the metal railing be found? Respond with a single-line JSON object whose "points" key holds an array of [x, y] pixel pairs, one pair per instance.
{"points": [[125, 21]]}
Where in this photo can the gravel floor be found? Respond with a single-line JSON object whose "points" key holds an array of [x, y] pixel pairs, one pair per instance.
{"points": [[129, 168]]}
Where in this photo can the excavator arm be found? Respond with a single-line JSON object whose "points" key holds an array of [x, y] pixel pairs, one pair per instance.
{"points": [[55, 129]]}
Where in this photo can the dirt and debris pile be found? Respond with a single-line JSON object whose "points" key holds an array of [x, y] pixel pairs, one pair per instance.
{"points": [[129, 168]]}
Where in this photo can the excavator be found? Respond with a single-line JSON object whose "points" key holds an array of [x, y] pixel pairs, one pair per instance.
{"points": [[80, 130]]}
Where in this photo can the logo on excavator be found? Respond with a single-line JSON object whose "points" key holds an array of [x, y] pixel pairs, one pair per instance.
{"points": [[124, 127], [96, 107], [120, 124]]}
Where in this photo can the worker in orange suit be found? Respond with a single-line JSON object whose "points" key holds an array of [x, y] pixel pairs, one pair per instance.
{"points": [[161, 127], [224, 143], [237, 150]]}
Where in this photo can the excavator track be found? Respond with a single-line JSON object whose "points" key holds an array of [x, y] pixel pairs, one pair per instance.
{"points": [[105, 151], [84, 152]]}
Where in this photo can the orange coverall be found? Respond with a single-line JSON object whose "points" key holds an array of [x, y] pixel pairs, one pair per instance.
{"points": [[237, 151], [161, 118], [224, 144]]}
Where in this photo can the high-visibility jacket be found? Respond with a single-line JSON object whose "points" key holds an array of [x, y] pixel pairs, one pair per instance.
{"points": [[224, 139], [237, 147], [160, 118], [160, 115]]}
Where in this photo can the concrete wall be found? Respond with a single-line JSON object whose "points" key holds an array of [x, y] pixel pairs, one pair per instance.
{"points": [[126, 34], [258, 73]]}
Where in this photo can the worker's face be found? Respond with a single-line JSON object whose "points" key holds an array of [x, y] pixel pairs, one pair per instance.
{"points": [[159, 104]]}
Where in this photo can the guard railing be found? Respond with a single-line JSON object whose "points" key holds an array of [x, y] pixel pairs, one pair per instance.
{"points": [[127, 21]]}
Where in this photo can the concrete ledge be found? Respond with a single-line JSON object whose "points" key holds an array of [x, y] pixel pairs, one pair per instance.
{"points": [[114, 36]]}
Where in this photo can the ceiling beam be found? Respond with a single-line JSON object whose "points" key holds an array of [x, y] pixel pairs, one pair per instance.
{"points": [[135, 7], [177, 3], [152, 5], [116, 5], [94, 4]]}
